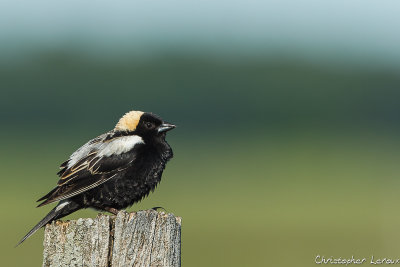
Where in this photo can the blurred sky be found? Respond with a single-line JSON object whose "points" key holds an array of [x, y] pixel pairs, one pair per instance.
{"points": [[367, 30]]}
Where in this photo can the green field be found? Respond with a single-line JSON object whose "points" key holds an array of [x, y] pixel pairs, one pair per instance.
{"points": [[276, 160], [267, 200], [287, 143]]}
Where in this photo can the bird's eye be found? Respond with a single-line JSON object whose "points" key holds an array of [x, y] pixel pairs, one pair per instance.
{"points": [[149, 125]]}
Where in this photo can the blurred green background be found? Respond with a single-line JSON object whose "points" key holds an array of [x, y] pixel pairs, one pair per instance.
{"points": [[287, 144]]}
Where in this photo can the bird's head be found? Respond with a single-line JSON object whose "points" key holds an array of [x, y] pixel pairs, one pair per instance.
{"points": [[144, 124]]}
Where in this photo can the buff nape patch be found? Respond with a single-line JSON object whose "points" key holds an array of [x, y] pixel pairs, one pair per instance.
{"points": [[129, 121]]}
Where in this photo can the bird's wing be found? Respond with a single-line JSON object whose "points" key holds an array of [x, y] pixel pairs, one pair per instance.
{"points": [[93, 164], [82, 152]]}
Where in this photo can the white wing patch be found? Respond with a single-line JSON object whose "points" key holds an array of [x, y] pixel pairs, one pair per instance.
{"points": [[84, 150], [119, 145], [116, 146]]}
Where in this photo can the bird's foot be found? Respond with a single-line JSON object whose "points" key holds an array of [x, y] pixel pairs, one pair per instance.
{"points": [[159, 208], [112, 210]]}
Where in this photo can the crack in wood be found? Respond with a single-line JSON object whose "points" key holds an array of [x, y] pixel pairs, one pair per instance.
{"points": [[144, 238]]}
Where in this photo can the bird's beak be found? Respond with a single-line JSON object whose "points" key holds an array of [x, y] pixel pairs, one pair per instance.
{"points": [[165, 127]]}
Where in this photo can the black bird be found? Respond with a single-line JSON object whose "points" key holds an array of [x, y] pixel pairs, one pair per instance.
{"points": [[112, 171]]}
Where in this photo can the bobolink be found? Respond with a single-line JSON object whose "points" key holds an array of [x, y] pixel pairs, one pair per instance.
{"points": [[112, 171]]}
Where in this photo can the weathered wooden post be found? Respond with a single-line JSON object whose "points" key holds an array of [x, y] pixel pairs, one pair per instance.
{"points": [[144, 238]]}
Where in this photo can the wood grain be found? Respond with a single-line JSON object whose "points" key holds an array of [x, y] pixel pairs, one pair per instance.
{"points": [[144, 238]]}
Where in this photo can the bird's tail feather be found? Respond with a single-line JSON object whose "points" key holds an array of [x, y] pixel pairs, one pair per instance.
{"points": [[62, 209]]}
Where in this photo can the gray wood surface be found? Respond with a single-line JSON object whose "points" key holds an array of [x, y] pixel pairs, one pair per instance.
{"points": [[144, 238]]}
